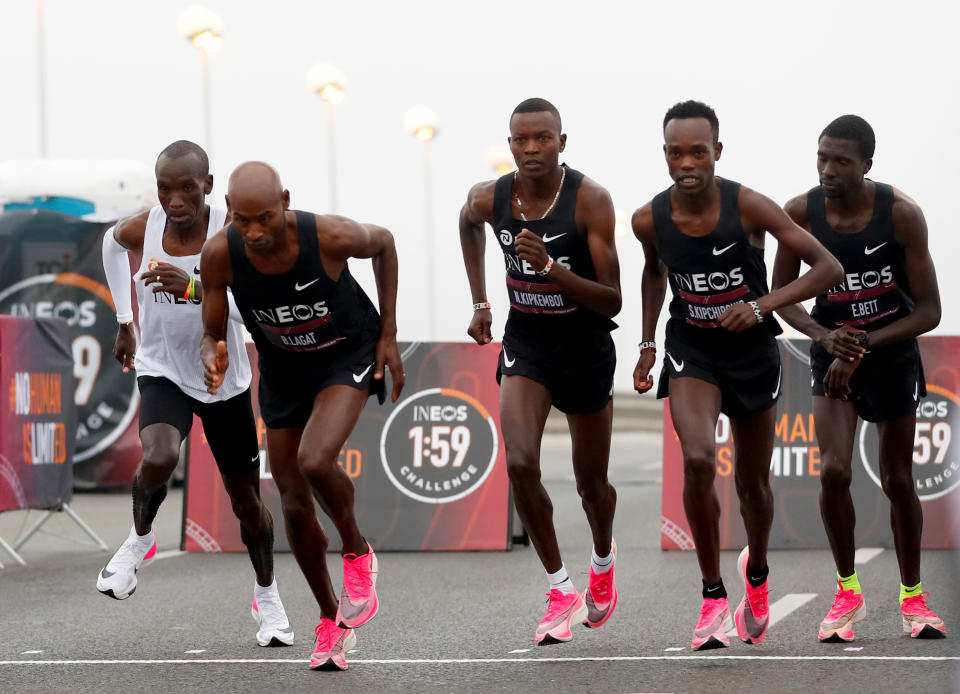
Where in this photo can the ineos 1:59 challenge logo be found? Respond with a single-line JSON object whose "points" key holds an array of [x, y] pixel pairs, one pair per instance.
{"points": [[936, 461], [439, 445], [106, 398]]}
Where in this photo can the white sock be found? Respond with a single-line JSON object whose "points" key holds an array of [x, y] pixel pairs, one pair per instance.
{"points": [[601, 565], [259, 590], [561, 581], [145, 540]]}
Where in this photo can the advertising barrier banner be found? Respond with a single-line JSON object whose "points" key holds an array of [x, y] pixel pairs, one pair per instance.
{"points": [[795, 464], [51, 267], [429, 471], [37, 415]]}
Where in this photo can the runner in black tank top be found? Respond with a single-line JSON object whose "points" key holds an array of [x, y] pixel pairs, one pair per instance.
{"points": [[555, 228], [322, 352], [864, 358], [706, 236]]}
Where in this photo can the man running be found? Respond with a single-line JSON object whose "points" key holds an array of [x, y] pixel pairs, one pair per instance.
{"points": [[556, 231], [322, 349], [706, 235], [864, 358], [165, 243]]}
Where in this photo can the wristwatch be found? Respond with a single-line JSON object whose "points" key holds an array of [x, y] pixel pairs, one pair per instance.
{"points": [[864, 340]]}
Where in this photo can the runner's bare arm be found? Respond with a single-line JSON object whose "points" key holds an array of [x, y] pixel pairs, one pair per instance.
{"points": [[840, 342], [595, 214], [760, 212], [344, 238], [476, 211], [910, 229], [216, 273], [653, 289]]}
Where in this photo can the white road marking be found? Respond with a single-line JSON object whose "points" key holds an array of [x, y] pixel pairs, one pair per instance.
{"points": [[166, 554], [484, 661], [865, 554], [784, 606], [673, 649], [31, 652], [201, 650], [853, 648], [520, 650]]}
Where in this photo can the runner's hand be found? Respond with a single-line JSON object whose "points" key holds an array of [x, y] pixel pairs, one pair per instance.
{"points": [[642, 380], [389, 353], [842, 343], [738, 318], [167, 278], [215, 368], [479, 328], [836, 384], [531, 248], [125, 347]]}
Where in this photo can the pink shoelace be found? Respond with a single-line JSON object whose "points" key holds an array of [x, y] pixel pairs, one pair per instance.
{"points": [[757, 597], [357, 576], [843, 602], [918, 605], [557, 602], [323, 632], [602, 586]]}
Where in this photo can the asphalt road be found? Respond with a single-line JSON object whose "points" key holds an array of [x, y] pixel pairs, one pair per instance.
{"points": [[461, 622]]}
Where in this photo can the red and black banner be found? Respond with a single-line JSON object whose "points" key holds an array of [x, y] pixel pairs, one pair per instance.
{"points": [[37, 413], [429, 472], [795, 464]]}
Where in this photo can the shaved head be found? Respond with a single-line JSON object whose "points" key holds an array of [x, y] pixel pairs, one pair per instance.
{"points": [[255, 181]]}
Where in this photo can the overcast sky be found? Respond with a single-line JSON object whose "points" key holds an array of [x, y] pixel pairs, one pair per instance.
{"points": [[122, 83]]}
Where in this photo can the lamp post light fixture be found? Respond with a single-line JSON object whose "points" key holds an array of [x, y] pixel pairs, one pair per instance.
{"points": [[500, 159], [330, 84], [423, 124], [204, 29]]}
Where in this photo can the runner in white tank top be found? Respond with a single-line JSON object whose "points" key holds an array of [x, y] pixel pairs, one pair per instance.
{"points": [[166, 242], [171, 326]]}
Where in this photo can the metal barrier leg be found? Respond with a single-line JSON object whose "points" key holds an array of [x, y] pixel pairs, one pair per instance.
{"points": [[12, 552], [33, 530], [86, 528]]}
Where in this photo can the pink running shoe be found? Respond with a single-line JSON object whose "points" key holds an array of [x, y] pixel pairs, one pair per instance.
{"points": [[601, 595], [848, 607], [715, 622], [333, 644], [920, 621], [753, 612], [358, 599], [563, 609]]}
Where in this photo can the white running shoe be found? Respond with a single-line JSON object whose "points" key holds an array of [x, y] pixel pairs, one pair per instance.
{"points": [[118, 579], [275, 629]]}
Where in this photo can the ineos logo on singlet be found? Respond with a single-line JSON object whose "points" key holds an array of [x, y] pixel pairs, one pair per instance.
{"points": [[855, 281], [288, 314], [709, 281]]}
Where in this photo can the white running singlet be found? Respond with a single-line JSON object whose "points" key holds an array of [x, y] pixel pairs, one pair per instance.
{"points": [[171, 326]]}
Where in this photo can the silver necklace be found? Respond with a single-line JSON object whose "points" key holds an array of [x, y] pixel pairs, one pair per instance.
{"points": [[563, 175]]}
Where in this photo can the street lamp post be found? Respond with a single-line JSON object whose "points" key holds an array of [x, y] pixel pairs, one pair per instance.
{"points": [[204, 29], [422, 123], [330, 84], [500, 159]]}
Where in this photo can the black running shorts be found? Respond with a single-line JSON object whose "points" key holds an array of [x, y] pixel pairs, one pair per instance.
{"points": [[286, 397], [887, 384], [228, 424], [578, 375], [747, 371]]}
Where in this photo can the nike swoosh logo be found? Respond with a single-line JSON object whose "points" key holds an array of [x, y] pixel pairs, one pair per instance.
{"points": [[548, 239], [507, 361], [813, 381], [867, 250], [107, 574], [300, 287], [916, 389], [677, 367], [710, 590], [776, 392], [255, 459], [724, 249], [359, 377], [196, 270]]}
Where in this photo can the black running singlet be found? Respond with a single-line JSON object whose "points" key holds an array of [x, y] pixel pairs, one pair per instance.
{"points": [[536, 303], [874, 288], [708, 274], [300, 318]]}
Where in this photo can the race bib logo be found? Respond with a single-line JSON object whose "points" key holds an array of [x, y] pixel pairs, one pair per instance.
{"points": [[936, 457], [106, 398], [438, 446]]}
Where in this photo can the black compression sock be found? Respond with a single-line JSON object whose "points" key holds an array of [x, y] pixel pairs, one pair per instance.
{"points": [[714, 591], [756, 579]]}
